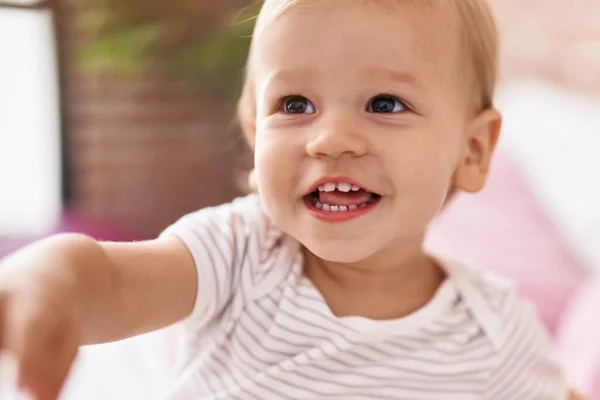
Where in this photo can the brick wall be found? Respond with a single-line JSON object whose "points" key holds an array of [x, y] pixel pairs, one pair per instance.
{"points": [[145, 152]]}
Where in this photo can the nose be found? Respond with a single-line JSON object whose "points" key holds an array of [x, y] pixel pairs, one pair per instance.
{"points": [[336, 137]]}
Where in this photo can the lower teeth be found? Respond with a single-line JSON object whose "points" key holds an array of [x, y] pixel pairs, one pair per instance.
{"points": [[327, 207]]}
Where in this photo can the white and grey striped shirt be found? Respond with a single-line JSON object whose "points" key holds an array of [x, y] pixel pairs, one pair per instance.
{"points": [[261, 330]]}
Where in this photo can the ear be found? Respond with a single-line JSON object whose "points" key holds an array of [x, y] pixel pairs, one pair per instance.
{"points": [[479, 144], [249, 129], [252, 184]]}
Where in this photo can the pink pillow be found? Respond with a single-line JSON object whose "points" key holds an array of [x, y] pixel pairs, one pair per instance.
{"points": [[503, 229]]}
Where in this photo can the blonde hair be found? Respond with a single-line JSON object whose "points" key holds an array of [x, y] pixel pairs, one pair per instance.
{"points": [[478, 32]]}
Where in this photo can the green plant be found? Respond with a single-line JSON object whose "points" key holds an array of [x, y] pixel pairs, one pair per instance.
{"points": [[202, 45]]}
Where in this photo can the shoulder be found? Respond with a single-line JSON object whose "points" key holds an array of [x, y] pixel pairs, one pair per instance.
{"points": [[237, 237], [496, 302], [524, 366], [242, 218]]}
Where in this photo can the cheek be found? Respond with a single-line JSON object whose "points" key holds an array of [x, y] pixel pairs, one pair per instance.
{"points": [[423, 169], [276, 161], [268, 177], [422, 160]]}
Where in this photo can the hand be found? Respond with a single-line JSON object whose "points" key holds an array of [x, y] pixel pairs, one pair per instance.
{"points": [[38, 331]]}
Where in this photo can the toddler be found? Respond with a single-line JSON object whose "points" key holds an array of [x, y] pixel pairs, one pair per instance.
{"points": [[363, 116]]}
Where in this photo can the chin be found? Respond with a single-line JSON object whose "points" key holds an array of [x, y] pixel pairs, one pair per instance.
{"points": [[336, 253]]}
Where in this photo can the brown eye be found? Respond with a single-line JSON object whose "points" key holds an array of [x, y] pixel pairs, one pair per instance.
{"points": [[385, 105], [298, 105]]}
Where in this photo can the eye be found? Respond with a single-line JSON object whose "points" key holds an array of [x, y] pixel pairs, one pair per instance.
{"points": [[384, 104], [298, 105]]}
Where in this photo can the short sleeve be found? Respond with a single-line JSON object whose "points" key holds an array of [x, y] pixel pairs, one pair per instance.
{"points": [[226, 242], [525, 368]]}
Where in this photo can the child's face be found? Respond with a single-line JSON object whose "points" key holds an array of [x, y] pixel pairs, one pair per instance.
{"points": [[377, 100]]}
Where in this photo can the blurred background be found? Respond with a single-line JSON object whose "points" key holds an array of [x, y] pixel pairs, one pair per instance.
{"points": [[118, 116], [137, 104]]}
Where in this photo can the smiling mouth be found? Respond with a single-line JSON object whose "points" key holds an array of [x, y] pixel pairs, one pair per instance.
{"points": [[341, 198]]}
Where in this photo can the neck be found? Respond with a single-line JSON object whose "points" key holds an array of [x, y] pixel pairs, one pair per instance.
{"points": [[391, 284]]}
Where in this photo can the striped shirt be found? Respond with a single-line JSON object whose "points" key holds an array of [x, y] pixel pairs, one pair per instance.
{"points": [[260, 330]]}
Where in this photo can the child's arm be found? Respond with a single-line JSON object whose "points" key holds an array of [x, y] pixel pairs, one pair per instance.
{"points": [[70, 290], [150, 285]]}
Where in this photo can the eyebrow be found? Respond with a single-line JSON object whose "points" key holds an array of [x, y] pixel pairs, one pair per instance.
{"points": [[392, 74], [305, 73], [290, 75]]}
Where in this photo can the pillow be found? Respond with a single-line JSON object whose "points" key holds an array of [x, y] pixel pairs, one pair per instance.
{"points": [[553, 137]]}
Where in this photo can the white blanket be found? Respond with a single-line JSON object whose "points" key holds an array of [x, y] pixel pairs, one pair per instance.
{"points": [[133, 369]]}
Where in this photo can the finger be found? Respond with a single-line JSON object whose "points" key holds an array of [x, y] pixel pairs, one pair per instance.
{"points": [[45, 378], [43, 345]]}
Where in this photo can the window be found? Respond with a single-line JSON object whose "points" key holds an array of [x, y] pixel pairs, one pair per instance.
{"points": [[30, 123]]}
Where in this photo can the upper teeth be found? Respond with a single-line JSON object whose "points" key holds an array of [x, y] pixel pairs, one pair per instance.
{"points": [[342, 187]]}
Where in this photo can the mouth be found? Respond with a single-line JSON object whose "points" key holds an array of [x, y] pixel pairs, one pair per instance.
{"points": [[340, 200]]}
